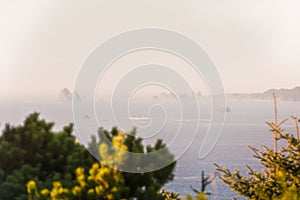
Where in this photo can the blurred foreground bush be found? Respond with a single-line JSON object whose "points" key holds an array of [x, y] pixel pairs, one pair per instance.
{"points": [[34, 155], [34, 151]]}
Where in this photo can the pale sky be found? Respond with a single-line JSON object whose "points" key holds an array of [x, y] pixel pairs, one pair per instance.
{"points": [[254, 44]]}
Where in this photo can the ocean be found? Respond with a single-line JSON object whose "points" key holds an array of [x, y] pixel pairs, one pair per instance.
{"points": [[244, 125]]}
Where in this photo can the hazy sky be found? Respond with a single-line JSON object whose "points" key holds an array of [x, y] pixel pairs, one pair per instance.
{"points": [[255, 44]]}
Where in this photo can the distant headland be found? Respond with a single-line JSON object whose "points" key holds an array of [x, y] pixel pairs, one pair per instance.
{"points": [[281, 94]]}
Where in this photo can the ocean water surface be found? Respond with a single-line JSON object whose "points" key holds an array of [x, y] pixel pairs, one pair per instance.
{"points": [[244, 126]]}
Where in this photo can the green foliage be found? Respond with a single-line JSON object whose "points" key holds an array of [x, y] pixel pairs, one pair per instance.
{"points": [[280, 177], [101, 182], [140, 185], [205, 181], [105, 183], [33, 151]]}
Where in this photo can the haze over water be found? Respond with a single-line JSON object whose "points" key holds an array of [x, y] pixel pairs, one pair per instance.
{"points": [[254, 45], [244, 126]]}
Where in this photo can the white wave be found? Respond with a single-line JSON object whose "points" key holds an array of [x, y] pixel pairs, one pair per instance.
{"points": [[140, 118]]}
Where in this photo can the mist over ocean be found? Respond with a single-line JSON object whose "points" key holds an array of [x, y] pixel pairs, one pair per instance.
{"points": [[244, 126]]}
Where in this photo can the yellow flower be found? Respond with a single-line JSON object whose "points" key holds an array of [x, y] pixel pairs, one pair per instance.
{"points": [[31, 187], [61, 190], [76, 190], [91, 192], [53, 193], [110, 196], [99, 190], [31, 184], [45, 192], [57, 184], [95, 166], [79, 171]]}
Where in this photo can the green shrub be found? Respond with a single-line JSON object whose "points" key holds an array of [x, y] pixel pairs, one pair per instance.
{"points": [[280, 177]]}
